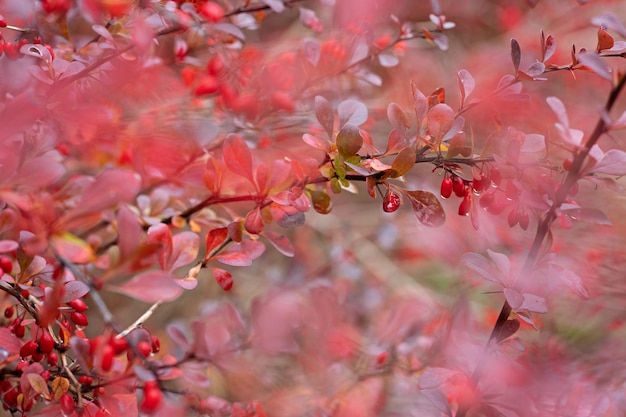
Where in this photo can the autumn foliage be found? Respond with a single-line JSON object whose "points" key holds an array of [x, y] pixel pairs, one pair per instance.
{"points": [[312, 208]]}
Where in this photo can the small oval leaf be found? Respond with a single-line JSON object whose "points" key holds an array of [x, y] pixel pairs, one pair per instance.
{"points": [[349, 140], [426, 207]]}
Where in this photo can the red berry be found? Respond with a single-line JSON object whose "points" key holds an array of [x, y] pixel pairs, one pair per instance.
{"points": [[215, 65], [466, 205], [391, 201], [567, 164], [119, 345], [523, 220], [208, 85], [28, 349], [212, 11], [20, 331], [37, 357], [52, 359], [67, 404], [10, 398], [513, 217], [152, 398], [25, 293], [156, 344], [6, 264], [446, 187], [496, 176], [458, 186], [79, 319], [46, 375], [78, 305], [144, 348], [46, 343], [8, 312], [85, 380], [107, 358]]}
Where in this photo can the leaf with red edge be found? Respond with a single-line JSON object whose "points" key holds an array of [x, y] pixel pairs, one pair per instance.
{"points": [[280, 242], [241, 253], [548, 47], [73, 248], [106, 191], [161, 235], [150, 287], [130, 234], [237, 156], [403, 162], [214, 239], [466, 84], [349, 140], [439, 120], [351, 111], [39, 385], [516, 54], [185, 249], [73, 290], [324, 114], [426, 207], [315, 142], [398, 118], [223, 278]]}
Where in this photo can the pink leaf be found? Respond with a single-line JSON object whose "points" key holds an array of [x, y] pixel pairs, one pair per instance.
{"points": [[398, 118], [534, 303], [185, 249], [112, 187], [466, 84], [178, 336], [280, 242], [351, 111], [596, 64], [129, 234], [40, 172], [73, 248], [237, 156], [161, 235], [73, 290], [9, 342], [439, 120], [277, 6], [612, 163], [223, 278], [150, 287], [549, 48], [482, 266], [325, 115], [214, 239], [242, 253], [514, 297], [316, 142], [8, 245]]}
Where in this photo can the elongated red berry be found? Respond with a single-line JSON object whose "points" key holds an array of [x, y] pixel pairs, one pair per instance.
{"points": [[458, 186], [78, 305], [156, 344], [46, 343], [391, 201], [523, 220], [79, 319], [144, 348], [446, 187], [67, 404], [106, 362], [513, 217], [466, 205], [152, 397], [28, 349], [212, 11]]}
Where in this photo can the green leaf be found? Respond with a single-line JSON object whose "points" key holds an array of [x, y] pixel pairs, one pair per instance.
{"points": [[403, 162], [349, 141]]}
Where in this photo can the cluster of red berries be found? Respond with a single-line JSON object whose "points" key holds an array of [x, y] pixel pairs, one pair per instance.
{"points": [[12, 49]]}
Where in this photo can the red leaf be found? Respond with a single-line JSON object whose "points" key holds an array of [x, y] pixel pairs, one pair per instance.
{"points": [[73, 290], [223, 278], [237, 156], [9, 342], [466, 84], [73, 248], [349, 141], [214, 239], [315, 142], [242, 253], [185, 249], [150, 287], [427, 207], [280, 242], [398, 118], [439, 120], [129, 234], [39, 172]]}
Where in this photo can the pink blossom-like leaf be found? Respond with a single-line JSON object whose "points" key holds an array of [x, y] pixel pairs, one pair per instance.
{"points": [[351, 111], [612, 163], [591, 215], [9, 341], [185, 249], [573, 281], [549, 48], [421, 105], [40, 172], [388, 60], [280, 242], [439, 120], [396, 142], [112, 187], [7, 245], [277, 6], [536, 69], [596, 64], [514, 297], [558, 108], [237, 156], [311, 50], [324, 114], [242, 253], [534, 142], [178, 336], [398, 118], [466, 84], [534, 303], [316, 142], [482, 266], [150, 287], [501, 261]]}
